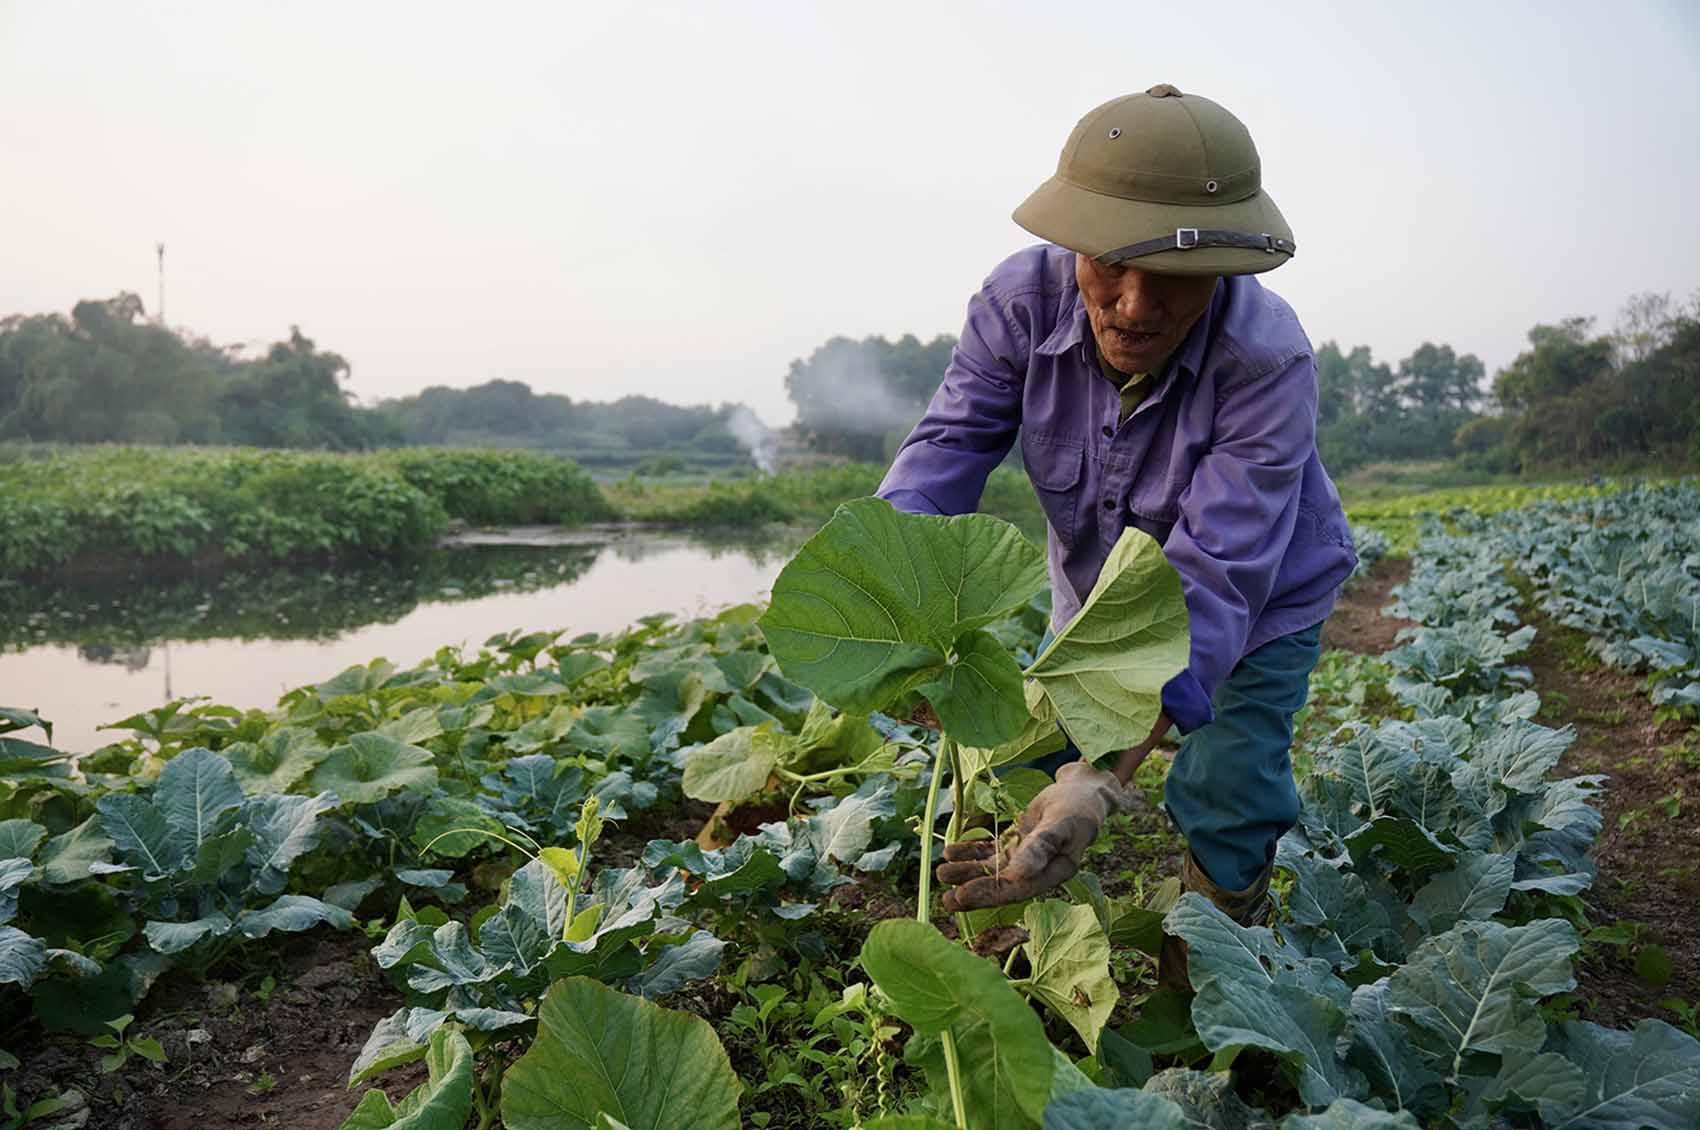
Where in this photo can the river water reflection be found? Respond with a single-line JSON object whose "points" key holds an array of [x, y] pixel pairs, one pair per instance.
{"points": [[86, 655]]}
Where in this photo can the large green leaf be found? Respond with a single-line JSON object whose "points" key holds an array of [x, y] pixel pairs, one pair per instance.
{"points": [[292, 914], [1518, 754], [22, 958], [14, 873], [610, 731], [1349, 1114], [1254, 991], [175, 937], [275, 762], [453, 826], [194, 790], [1381, 1049], [1207, 1100], [1404, 843], [875, 604], [736, 765], [1648, 1077], [284, 828], [936, 985], [1476, 889], [371, 766], [1547, 1083], [978, 695], [666, 707], [531, 919], [1325, 898], [599, 1051], [398, 1038], [65, 859], [1477, 987], [1102, 1109], [20, 838], [139, 831], [1070, 958], [442, 1102], [1104, 673]]}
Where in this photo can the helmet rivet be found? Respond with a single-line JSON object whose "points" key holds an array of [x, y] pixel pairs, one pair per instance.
{"points": [[1209, 186], [1115, 132]]}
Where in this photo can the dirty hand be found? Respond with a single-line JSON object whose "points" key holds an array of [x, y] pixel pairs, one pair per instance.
{"points": [[1044, 848]]}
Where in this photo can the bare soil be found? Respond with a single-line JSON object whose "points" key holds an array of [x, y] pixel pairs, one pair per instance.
{"points": [[1356, 623], [1648, 849], [232, 1059]]}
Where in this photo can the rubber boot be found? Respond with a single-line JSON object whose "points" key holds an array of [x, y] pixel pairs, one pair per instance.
{"points": [[1249, 907]]}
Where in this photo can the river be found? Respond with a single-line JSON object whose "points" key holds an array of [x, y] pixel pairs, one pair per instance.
{"points": [[88, 655]]}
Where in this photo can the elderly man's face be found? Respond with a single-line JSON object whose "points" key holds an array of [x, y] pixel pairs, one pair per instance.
{"points": [[1139, 318]]}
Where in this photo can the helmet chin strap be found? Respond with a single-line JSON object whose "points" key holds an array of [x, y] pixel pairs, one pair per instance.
{"points": [[1188, 239]]}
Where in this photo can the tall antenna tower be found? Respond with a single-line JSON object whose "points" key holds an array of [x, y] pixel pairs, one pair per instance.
{"points": [[159, 309]]}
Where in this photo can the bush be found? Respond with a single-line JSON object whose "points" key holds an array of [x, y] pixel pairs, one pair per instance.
{"points": [[108, 506], [502, 488]]}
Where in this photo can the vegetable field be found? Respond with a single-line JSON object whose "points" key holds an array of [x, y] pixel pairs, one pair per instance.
{"points": [[680, 875]]}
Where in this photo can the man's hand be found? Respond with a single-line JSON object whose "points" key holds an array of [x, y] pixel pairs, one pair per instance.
{"points": [[1044, 848]]}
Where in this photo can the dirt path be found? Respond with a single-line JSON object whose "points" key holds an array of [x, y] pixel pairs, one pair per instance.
{"points": [[1648, 848], [1356, 623], [234, 1060]]}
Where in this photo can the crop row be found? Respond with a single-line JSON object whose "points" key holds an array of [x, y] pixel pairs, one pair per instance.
{"points": [[1625, 569]]}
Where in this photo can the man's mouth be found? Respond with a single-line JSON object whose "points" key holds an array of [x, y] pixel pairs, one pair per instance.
{"points": [[1132, 339]]}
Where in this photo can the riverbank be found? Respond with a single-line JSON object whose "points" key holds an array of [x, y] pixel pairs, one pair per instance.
{"points": [[104, 512], [100, 510]]}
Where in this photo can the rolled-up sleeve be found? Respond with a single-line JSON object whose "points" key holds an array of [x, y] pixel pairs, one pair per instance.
{"points": [[1236, 521], [972, 420]]}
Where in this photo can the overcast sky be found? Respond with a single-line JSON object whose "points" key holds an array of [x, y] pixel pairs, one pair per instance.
{"points": [[602, 199]]}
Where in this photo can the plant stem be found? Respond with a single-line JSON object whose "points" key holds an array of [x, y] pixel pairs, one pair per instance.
{"points": [[953, 1069], [923, 898], [923, 901], [954, 829]]}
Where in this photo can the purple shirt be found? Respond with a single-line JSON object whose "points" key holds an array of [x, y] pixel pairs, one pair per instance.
{"points": [[1218, 464]]}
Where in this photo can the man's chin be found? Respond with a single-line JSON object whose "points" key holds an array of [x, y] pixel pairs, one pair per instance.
{"points": [[1133, 360]]}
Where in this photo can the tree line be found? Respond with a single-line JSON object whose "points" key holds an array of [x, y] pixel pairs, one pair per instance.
{"points": [[106, 374], [1576, 398]]}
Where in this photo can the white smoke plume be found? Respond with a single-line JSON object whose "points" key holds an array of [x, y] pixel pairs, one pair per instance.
{"points": [[761, 441], [845, 391]]}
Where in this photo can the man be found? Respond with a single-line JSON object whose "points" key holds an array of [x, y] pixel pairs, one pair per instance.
{"points": [[1154, 382]]}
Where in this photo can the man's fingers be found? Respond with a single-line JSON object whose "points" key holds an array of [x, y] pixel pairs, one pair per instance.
{"points": [[970, 849], [965, 871], [982, 893]]}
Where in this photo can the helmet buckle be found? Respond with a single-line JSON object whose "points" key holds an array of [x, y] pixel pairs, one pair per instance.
{"points": [[1185, 238]]}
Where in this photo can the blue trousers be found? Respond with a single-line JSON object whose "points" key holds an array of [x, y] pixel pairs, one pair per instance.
{"points": [[1230, 789]]}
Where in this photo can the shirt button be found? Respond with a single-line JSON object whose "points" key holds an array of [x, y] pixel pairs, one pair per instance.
{"points": [[1109, 504], [1109, 431]]}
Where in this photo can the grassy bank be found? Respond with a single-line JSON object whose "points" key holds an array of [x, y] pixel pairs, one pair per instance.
{"points": [[108, 507], [802, 496]]}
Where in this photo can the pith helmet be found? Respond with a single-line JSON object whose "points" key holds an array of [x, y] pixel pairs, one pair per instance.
{"points": [[1163, 181]]}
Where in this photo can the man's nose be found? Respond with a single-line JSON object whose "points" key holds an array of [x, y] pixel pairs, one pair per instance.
{"points": [[1139, 299]]}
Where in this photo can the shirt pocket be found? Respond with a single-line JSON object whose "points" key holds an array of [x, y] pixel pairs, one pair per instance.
{"points": [[1155, 505], [1054, 467]]}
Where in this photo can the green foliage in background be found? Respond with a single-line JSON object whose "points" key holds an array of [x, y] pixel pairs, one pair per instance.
{"points": [[106, 375], [115, 506]]}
